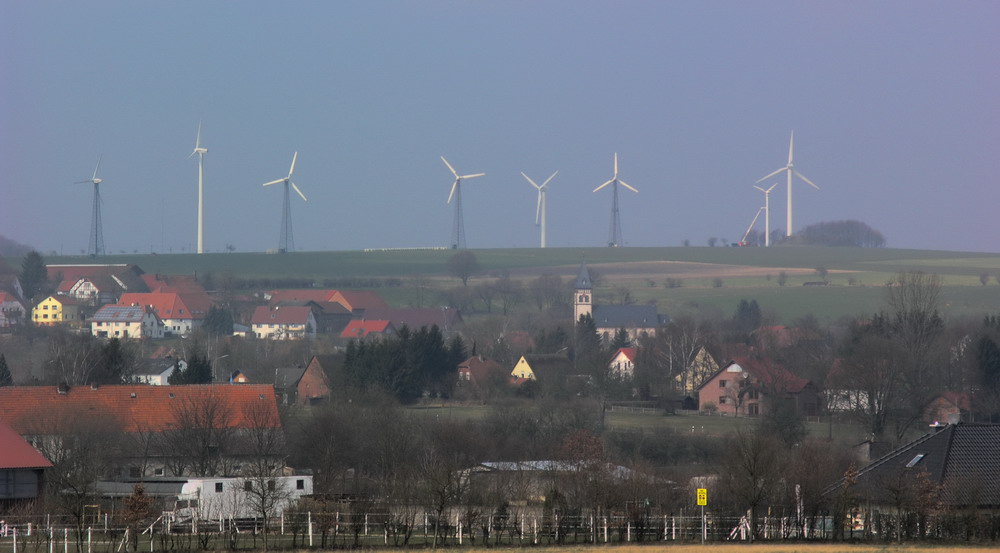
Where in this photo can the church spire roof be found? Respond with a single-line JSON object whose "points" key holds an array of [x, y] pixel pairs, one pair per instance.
{"points": [[583, 278]]}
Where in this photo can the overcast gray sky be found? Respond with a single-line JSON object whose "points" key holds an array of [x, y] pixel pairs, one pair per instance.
{"points": [[895, 108]]}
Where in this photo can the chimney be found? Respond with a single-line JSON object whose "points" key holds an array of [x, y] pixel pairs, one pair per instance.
{"points": [[93, 385], [62, 388]]}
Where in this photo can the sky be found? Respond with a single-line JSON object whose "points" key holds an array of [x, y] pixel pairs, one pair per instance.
{"points": [[895, 107]]}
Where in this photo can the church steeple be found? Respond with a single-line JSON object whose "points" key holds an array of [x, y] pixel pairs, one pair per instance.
{"points": [[583, 297]]}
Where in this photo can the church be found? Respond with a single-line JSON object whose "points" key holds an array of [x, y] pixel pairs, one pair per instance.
{"points": [[636, 319]]}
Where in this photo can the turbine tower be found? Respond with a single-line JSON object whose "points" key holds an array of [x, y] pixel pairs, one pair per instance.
{"points": [[789, 170], [96, 246], [286, 243], [767, 213], [458, 228], [200, 152], [540, 210], [615, 232]]}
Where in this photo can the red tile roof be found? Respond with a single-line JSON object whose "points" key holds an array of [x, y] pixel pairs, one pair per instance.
{"points": [[171, 305], [358, 299], [43, 410], [5, 297], [629, 353], [307, 294], [183, 284], [771, 375], [15, 453], [359, 328], [284, 315]]}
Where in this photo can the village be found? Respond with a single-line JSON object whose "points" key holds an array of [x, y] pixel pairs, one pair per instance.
{"points": [[185, 431]]}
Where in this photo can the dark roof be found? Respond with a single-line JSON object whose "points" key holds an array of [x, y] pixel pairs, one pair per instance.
{"points": [[625, 316], [964, 459], [445, 318], [153, 367], [15, 453], [549, 365], [288, 377], [583, 281], [120, 314]]}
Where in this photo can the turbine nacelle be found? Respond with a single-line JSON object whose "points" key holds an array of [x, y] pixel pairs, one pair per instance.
{"points": [[458, 178], [287, 181]]}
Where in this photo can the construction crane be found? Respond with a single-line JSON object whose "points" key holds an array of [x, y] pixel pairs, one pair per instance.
{"points": [[743, 242]]}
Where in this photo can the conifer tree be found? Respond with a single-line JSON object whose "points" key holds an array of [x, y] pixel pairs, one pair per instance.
{"points": [[6, 379]]}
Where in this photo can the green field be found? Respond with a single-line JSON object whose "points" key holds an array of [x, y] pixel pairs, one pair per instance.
{"points": [[715, 278]]}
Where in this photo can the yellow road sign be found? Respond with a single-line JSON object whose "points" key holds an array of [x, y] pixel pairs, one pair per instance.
{"points": [[702, 496]]}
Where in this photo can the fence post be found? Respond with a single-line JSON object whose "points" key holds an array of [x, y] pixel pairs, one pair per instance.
{"points": [[310, 516], [89, 539], [15, 540], [366, 524], [534, 525], [65, 540], [282, 523], [605, 529], [29, 528], [336, 526]]}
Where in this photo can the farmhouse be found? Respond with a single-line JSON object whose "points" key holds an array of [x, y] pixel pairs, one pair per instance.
{"points": [[126, 321], [622, 363], [180, 313], [301, 386], [284, 323], [744, 386], [12, 311], [55, 310], [179, 430]]}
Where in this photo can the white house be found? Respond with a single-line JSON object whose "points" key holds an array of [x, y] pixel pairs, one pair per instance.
{"points": [[126, 321], [284, 322], [157, 372]]}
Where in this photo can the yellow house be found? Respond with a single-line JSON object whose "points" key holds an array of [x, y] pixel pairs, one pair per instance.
{"points": [[551, 366], [55, 310]]}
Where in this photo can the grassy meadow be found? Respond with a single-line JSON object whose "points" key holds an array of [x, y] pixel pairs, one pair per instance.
{"points": [[702, 276]]}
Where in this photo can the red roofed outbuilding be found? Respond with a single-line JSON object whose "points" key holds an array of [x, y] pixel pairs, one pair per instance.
{"points": [[22, 468], [362, 328]]}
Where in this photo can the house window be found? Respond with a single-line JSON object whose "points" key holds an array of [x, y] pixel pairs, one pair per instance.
{"points": [[270, 485], [218, 487], [753, 394], [248, 486], [133, 472], [753, 409], [300, 484], [158, 472], [722, 383], [722, 400]]}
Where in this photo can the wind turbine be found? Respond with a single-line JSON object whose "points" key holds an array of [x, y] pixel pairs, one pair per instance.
{"points": [[96, 247], [767, 213], [615, 232], [540, 210], [201, 188], [789, 170], [287, 243], [458, 228]]}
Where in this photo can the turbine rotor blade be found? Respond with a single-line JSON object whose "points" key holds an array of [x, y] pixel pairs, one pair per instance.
{"points": [[531, 181], [296, 188], [450, 168], [274, 182], [616, 164], [473, 176], [778, 172], [772, 187], [803, 177], [627, 185], [291, 169], [544, 184], [791, 144], [454, 185], [197, 141], [83, 181], [603, 185], [538, 209], [761, 189], [98, 166]]}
